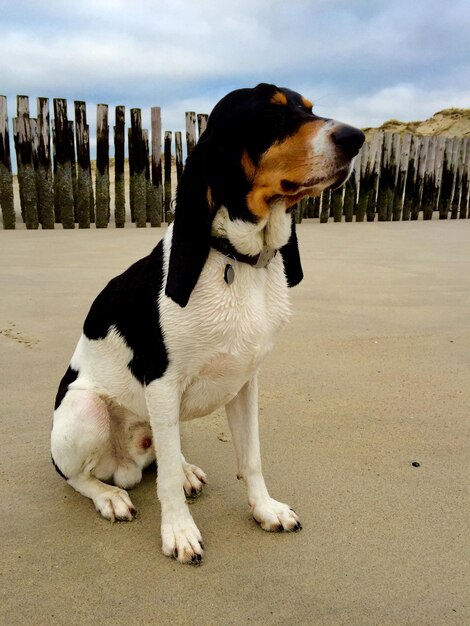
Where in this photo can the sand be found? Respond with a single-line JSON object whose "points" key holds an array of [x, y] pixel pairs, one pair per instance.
{"points": [[371, 375]]}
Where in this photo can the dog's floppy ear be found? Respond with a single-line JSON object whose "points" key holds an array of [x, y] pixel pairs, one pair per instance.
{"points": [[291, 257], [190, 243]]}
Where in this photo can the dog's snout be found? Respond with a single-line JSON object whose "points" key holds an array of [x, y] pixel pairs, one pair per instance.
{"points": [[349, 139]]}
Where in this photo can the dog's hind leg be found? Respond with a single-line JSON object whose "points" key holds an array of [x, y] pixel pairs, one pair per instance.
{"points": [[82, 452]]}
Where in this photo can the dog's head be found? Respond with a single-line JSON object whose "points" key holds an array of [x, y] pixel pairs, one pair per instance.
{"points": [[262, 146]]}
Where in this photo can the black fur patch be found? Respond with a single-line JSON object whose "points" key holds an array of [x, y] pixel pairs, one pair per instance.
{"points": [[130, 303], [291, 257], [69, 377], [57, 469]]}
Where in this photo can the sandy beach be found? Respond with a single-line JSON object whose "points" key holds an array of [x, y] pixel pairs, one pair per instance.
{"points": [[364, 409]]}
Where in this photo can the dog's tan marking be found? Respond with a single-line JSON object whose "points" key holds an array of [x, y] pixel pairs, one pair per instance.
{"points": [[291, 160], [248, 166], [308, 104], [279, 98]]}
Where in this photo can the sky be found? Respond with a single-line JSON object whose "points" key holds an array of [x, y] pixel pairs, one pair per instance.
{"points": [[359, 61]]}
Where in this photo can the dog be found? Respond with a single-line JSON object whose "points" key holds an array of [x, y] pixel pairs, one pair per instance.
{"points": [[184, 331]]}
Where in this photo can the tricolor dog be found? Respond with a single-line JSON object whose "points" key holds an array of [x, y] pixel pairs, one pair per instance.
{"points": [[185, 330]]}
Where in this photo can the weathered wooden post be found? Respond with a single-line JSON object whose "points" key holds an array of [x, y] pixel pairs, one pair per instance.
{"points": [[447, 181], [131, 174], [402, 172], [438, 171], [428, 180], [363, 196], [83, 165], [179, 154], [411, 195], [6, 177], [44, 181], [102, 167], [325, 207], [167, 152], [73, 165], [371, 154], [375, 166], [149, 205], [337, 204], [157, 185], [190, 131], [350, 192], [464, 182], [24, 157], [63, 187], [201, 123], [312, 207], [139, 189], [386, 180], [119, 185]]}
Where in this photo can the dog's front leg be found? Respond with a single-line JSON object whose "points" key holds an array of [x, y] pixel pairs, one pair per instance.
{"points": [[181, 538], [242, 414]]}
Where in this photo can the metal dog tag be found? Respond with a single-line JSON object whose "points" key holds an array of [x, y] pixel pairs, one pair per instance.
{"points": [[229, 274]]}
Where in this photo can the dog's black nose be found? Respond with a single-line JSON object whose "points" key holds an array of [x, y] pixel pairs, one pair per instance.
{"points": [[349, 139]]}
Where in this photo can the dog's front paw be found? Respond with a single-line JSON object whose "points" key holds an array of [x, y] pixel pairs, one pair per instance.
{"points": [[114, 504], [181, 538], [275, 516]]}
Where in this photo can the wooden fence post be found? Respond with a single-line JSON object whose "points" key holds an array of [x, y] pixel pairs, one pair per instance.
{"points": [[190, 131], [179, 154], [167, 152], [411, 196], [336, 207], [325, 206], [131, 174], [464, 183], [386, 179], [139, 188], [350, 193], [402, 173], [63, 187], [6, 178], [157, 185], [119, 185], [445, 196], [44, 181], [73, 165], [84, 185], [371, 155], [149, 204], [201, 123], [428, 180], [102, 167], [26, 173]]}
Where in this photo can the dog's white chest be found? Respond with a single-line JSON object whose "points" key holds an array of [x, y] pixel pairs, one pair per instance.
{"points": [[219, 340]]}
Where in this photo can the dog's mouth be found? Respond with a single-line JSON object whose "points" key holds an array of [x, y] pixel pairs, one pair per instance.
{"points": [[295, 191]]}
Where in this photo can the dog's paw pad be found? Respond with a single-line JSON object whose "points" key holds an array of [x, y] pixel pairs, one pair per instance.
{"points": [[115, 504], [274, 516], [182, 540], [195, 479]]}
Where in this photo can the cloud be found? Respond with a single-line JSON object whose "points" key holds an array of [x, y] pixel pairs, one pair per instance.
{"points": [[362, 61]]}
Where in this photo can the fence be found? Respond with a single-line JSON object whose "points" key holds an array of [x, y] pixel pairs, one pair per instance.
{"points": [[400, 177], [395, 177]]}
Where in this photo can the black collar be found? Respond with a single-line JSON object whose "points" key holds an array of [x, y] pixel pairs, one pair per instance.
{"points": [[258, 260]]}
